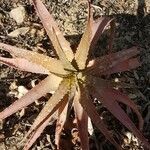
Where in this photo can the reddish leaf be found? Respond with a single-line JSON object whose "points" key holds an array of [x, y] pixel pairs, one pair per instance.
{"points": [[93, 31], [24, 65], [109, 101], [36, 134], [39, 129], [88, 106], [101, 65], [98, 27], [35, 93], [120, 97], [62, 116], [50, 64], [123, 66], [49, 23], [100, 85], [82, 52], [82, 122], [51, 104]]}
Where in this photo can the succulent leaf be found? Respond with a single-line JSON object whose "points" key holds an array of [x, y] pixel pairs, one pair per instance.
{"points": [[114, 62], [82, 123], [120, 97], [67, 65], [85, 102], [34, 136], [24, 65], [51, 64], [123, 66], [62, 117], [52, 104], [98, 27], [35, 93], [39, 129], [112, 105], [81, 55], [49, 24], [73, 79]]}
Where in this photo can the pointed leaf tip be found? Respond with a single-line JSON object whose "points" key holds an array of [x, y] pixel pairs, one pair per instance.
{"points": [[88, 106], [82, 123], [49, 23], [82, 52], [24, 65], [51, 64], [35, 93], [52, 104]]}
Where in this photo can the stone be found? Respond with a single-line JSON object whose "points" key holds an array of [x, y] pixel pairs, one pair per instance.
{"points": [[18, 14], [19, 31]]}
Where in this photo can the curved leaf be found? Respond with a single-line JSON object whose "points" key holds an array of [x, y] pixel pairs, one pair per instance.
{"points": [[37, 132], [51, 64], [109, 101], [51, 104], [81, 55], [49, 24], [98, 27], [24, 65], [105, 63], [82, 123], [35, 93], [120, 97], [88, 106]]}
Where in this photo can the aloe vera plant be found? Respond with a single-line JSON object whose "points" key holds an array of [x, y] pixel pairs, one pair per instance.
{"points": [[74, 77]]}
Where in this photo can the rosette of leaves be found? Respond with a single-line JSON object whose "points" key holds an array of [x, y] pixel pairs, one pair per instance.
{"points": [[74, 78]]}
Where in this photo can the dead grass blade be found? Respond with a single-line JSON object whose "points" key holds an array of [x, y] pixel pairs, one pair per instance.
{"points": [[51, 64], [82, 123], [24, 65], [49, 23], [88, 106], [35, 93]]}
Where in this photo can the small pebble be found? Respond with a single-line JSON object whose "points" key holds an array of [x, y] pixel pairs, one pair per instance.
{"points": [[19, 31], [18, 14]]}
